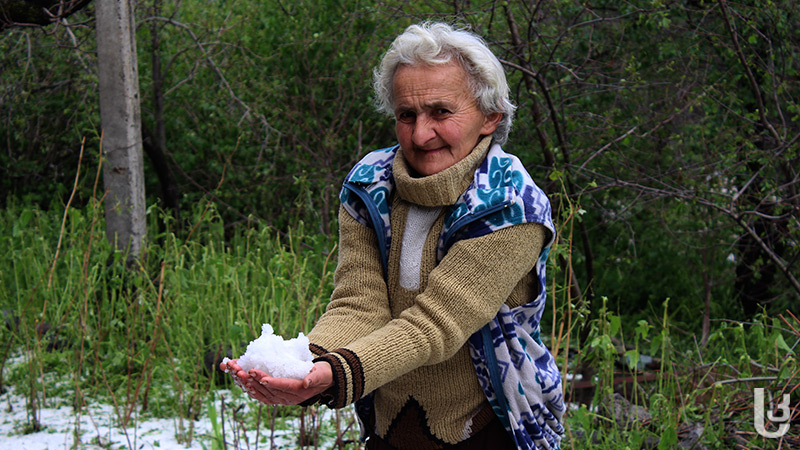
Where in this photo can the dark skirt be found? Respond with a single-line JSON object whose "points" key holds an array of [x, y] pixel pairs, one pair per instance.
{"points": [[492, 437]]}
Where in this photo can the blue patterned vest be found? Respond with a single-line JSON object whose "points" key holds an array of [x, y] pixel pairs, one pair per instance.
{"points": [[515, 369]]}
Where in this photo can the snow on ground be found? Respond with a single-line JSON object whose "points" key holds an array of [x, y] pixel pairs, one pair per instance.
{"points": [[96, 426], [98, 429]]}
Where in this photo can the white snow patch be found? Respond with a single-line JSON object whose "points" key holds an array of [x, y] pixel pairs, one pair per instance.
{"points": [[277, 357], [97, 428], [94, 427]]}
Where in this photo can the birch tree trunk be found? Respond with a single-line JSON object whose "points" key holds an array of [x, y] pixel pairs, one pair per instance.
{"points": [[120, 119]]}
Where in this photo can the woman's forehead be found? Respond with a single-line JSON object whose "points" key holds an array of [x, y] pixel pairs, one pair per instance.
{"points": [[430, 86]]}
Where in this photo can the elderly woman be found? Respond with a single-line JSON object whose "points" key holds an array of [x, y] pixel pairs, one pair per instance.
{"points": [[433, 325]]}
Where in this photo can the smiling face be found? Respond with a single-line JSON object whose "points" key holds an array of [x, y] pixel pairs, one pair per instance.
{"points": [[438, 121]]}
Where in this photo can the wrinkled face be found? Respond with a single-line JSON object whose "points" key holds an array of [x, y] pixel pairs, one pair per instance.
{"points": [[437, 120]]}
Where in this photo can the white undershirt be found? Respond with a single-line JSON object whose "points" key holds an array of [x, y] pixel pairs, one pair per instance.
{"points": [[418, 223]]}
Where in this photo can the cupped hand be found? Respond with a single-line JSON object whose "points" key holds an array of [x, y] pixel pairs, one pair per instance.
{"points": [[240, 377], [281, 391]]}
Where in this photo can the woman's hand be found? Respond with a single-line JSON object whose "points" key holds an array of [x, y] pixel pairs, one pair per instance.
{"points": [[240, 377], [281, 391]]}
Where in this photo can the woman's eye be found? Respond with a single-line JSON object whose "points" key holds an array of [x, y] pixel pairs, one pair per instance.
{"points": [[406, 117], [441, 112]]}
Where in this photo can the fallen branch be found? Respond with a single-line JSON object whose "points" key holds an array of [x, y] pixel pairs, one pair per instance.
{"points": [[745, 380]]}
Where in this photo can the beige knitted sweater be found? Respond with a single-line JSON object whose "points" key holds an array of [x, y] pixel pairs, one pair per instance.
{"points": [[405, 339]]}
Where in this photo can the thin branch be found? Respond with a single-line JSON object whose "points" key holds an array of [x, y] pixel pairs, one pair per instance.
{"points": [[74, 39], [609, 19], [753, 83], [772, 255], [528, 75], [776, 157], [605, 147], [64, 218]]}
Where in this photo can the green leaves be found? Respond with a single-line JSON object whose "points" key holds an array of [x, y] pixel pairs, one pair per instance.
{"points": [[22, 223]]}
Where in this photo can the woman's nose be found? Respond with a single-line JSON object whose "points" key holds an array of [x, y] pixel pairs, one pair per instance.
{"points": [[424, 131]]}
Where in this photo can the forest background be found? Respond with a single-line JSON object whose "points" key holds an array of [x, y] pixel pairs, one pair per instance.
{"points": [[665, 132]]}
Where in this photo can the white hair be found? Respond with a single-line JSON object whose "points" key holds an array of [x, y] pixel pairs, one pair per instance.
{"points": [[436, 44]]}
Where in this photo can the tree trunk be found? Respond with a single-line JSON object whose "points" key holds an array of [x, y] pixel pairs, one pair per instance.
{"points": [[123, 175]]}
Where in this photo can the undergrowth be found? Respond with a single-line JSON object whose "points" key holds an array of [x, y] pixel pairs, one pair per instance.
{"points": [[81, 328]]}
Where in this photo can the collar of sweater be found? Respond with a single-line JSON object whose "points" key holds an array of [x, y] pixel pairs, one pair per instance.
{"points": [[439, 189]]}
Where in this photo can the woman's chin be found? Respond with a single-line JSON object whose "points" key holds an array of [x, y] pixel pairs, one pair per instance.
{"points": [[431, 162], [428, 169]]}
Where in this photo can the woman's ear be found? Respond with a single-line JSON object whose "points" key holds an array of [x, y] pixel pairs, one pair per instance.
{"points": [[490, 123]]}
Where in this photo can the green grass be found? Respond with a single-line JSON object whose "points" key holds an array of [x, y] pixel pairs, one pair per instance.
{"points": [[137, 338]]}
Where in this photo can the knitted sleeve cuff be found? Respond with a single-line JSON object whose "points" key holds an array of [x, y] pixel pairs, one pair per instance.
{"points": [[348, 378], [317, 350]]}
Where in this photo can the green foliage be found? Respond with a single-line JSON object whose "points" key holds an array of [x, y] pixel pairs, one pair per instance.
{"points": [[688, 395]]}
